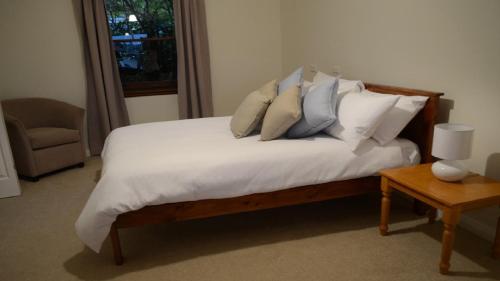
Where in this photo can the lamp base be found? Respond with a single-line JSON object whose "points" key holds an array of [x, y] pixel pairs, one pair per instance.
{"points": [[449, 170]]}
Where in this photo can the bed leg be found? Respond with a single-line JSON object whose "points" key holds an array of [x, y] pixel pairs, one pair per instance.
{"points": [[115, 242]]}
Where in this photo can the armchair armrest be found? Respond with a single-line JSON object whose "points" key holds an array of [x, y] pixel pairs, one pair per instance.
{"points": [[16, 130], [20, 144]]}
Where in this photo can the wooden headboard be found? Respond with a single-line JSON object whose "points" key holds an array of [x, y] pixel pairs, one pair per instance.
{"points": [[421, 129]]}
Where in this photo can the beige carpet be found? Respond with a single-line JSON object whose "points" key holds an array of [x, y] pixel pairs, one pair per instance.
{"points": [[337, 240]]}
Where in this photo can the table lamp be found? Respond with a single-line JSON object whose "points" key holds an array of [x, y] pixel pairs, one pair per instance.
{"points": [[452, 142]]}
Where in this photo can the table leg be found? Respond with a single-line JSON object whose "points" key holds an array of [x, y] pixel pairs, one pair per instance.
{"points": [[450, 219], [496, 247], [386, 206]]}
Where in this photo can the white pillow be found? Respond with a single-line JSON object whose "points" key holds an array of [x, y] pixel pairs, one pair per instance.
{"points": [[358, 116], [345, 86], [398, 117]]}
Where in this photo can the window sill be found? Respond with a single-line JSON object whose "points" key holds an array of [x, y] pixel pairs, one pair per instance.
{"points": [[148, 92]]}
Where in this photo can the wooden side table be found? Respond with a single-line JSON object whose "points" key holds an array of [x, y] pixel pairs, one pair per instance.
{"points": [[452, 198]]}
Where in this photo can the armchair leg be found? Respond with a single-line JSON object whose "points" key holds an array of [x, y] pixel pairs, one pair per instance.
{"points": [[80, 165]]}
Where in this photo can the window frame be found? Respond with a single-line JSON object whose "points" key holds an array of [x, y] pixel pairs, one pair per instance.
{"points": [[147, 88]]}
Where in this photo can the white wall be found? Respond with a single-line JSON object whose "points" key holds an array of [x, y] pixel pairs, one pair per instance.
{"points": [[41, 51], [152, 108], [447, 45], [245, 48]]}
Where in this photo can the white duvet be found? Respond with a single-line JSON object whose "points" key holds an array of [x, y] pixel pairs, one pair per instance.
{"points": [[195, 159]]}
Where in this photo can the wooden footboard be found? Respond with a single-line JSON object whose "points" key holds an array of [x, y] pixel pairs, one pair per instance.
{"points": [[217, 207]]}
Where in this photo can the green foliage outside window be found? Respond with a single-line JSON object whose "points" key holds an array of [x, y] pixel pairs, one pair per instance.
{"points": [[143, 36]]}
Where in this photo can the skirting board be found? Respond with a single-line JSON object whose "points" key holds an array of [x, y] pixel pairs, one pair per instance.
{"points": [[477, 227]]}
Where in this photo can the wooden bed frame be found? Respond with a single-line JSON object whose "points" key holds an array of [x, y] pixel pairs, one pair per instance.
{"points": [[419, 130]]}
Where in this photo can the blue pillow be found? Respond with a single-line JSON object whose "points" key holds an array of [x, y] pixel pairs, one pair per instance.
{"points": [[318, 110], [294, 79]]}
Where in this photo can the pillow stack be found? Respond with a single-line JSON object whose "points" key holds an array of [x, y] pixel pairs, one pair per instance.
{"points": [[362, 114], [341, 108], [372, 115]]}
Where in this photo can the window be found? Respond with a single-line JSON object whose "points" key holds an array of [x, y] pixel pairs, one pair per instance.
{"points": [[144, 43]]}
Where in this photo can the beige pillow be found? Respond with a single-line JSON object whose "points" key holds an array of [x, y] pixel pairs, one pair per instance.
{"points": [[282, 114], [252, 109]]}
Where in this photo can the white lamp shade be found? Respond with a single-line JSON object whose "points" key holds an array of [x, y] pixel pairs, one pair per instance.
{"points": [[452, 141]]}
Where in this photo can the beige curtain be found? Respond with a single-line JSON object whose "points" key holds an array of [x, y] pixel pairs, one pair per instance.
{"points": [[106, 108], [193, 60]]}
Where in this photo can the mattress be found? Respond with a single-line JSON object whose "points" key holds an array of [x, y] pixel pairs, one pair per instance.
{"points": [[187, 160]]}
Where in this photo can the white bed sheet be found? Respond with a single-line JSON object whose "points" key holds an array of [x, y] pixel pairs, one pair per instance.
{"points": [[186, 160]]}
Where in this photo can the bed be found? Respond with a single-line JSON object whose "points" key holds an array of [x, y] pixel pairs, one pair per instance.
{"points": [[188, 169]]}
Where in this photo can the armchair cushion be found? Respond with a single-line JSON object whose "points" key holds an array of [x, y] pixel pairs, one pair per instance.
{"points": [[50, 136]]}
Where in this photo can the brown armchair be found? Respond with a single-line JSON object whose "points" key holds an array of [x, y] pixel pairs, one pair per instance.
{"points": [[46, 135]]}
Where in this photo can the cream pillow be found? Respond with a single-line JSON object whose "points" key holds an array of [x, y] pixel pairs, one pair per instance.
{"points": [[252, 110], [282, 114]]}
